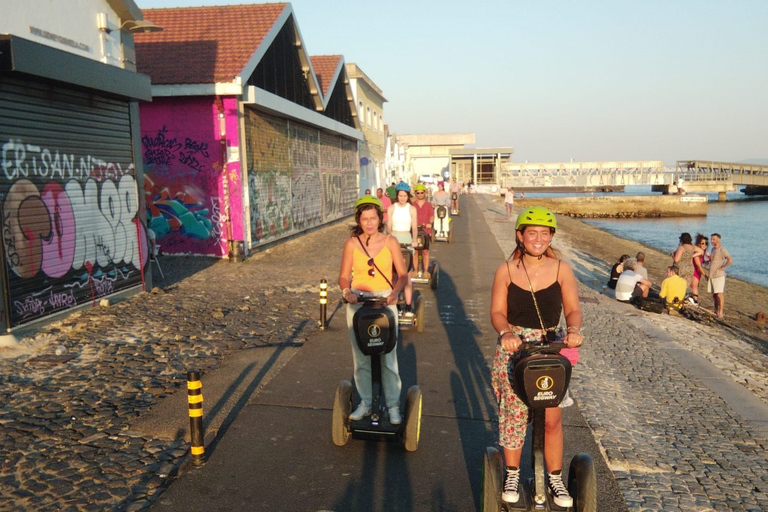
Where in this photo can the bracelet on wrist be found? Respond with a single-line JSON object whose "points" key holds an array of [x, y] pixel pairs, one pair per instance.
{"points": [[344, 292], [575, 330]]}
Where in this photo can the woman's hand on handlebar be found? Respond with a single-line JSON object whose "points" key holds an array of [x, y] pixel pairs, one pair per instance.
{"points": [[351, 297], [415, 243], [392, 299], [573, 340], [511, 342]]}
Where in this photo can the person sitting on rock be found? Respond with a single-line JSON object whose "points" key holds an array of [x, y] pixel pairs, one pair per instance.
{"points": [[673, 288], [631, 284]]}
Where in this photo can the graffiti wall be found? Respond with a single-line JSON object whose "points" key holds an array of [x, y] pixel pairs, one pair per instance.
{"points": [[298, 176], [184, 182], [70, 227]]}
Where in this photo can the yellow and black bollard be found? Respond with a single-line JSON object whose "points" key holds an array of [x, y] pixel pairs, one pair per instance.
{"points": [[195, 397], [323, 302]]}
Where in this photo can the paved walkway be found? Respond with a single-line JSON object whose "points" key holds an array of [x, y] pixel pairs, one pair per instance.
{"points": [[678, 433]]}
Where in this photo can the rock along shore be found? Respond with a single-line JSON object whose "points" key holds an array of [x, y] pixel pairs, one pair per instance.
{"points": [[71, 432]]}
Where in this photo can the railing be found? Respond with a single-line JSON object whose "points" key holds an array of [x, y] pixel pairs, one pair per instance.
{"points": [[739, 174]]}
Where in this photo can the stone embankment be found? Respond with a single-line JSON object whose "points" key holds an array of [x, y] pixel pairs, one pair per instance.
{"points": [[624, 206]]}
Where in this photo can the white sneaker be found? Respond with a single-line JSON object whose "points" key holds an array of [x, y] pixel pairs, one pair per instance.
{"points": [[558, 490], [394, 415], [567, 401], [361, 412], [510, 494]]}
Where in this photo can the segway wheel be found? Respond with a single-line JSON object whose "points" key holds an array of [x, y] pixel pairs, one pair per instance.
{"points": [[420, 313], [582, 483], [342, 405], [434, 275], [412, 418], [492, 476]]}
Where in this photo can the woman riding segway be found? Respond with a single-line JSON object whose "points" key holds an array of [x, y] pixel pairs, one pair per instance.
{"points": [[366, 271], [401, 223], [530, 290]]}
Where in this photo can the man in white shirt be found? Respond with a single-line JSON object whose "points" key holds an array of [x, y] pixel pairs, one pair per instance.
{"points": [[630, 283]]}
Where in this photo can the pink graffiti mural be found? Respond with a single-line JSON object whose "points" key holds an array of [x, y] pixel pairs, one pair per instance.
{"points": [[70, 228]]}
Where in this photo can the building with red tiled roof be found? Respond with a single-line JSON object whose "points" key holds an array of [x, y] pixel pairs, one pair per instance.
{"points": [[247, 139]]}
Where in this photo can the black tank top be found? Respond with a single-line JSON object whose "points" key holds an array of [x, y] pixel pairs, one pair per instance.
{"points": [[523, 314]]}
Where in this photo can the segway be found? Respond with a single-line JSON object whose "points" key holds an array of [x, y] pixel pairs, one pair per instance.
{"points": [[417, 300], [442, 225], [419, 272], [455, 197], [540, 379], [374, 327]]}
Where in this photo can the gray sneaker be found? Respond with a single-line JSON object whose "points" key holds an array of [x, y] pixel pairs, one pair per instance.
{"points": [[394, 415], [361, 412]]}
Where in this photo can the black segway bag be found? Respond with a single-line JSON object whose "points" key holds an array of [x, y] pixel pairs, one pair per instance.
{"points": [[422, 240], [541, 380], [408, 257], [442, 212], [375, 329]]}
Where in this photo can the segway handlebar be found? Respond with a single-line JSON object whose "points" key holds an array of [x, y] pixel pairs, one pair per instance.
{"points": [[532, 348], [361, 299]]}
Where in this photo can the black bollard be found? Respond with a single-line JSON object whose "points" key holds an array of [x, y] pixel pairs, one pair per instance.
{"points": [[197, 434], [323, 302]]}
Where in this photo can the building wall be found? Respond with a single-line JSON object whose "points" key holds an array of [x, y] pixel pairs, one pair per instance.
{"points": [[71, 222], [184, 188], [69, 25], [370, 111], [299, 177]]}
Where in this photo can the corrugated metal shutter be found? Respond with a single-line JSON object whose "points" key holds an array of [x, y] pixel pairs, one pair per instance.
{"points": [[68, 196]]}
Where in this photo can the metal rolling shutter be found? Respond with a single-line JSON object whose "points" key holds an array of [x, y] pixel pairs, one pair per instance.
{"points": [[68, 196]]}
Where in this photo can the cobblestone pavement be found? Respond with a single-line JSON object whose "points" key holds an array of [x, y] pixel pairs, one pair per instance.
{"points": [[66, 437], [67, 442], [672, 443]]}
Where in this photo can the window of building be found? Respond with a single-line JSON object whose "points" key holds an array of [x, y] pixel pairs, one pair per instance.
{"points": [[368, 109]]}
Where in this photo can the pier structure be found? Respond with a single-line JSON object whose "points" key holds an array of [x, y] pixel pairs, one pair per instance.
{"points": [[586, 175], [720, 177]]}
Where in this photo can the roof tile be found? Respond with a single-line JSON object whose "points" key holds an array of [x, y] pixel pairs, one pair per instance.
{"points": [[203, 45]]}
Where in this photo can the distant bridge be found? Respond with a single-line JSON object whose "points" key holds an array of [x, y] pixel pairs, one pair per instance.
{"points": [[721, 177], [694, 175], [595, 175]]}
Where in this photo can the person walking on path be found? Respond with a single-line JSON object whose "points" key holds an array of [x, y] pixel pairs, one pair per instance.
{"points": [[401, 223], [530, 292], [719, 260], [366, 271], [425, 216], [509, 201]]}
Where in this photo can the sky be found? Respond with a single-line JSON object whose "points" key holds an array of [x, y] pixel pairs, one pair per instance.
{"points": [[559, 80]]}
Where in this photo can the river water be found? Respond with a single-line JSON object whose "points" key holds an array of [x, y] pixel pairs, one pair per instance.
{"points": [[743, 225]]}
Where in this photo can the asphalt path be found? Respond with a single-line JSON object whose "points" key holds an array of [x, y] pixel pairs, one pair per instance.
{"points": [[277, 453]]}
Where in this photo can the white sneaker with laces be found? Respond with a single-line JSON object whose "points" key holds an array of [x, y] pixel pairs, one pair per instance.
{"points": [[558, 490], [361, 412], [394, 415], [510, 494]]}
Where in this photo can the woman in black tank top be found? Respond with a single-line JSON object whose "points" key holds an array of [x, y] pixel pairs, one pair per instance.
{"points": [[530, 291]]}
